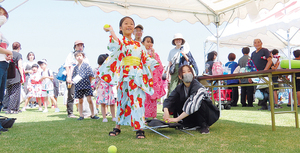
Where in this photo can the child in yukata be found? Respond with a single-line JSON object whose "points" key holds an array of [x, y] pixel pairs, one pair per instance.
{"points": [[34, 87], [151, 101], [82, 76], [131, 68], [105, 93]]}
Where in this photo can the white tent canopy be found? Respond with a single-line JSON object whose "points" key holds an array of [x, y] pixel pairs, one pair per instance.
{"points": [[207, 11], [275, 30]]}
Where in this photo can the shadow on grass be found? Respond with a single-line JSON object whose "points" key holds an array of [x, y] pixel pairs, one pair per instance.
{"points": [[56, 133], [238, 130]]}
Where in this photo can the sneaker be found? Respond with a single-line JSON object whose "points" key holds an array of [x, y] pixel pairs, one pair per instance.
{"points": [[45, 111], [52, 107], [9, 112], [95, 117], [108, 114], [191, 128], [204, 130], [263, 108], [114, 119], [105, 120], [28, 106], [56, 110], [3, 130], [40, 108], [277, 107], [72, 116], [23, 109], [80, 118]]}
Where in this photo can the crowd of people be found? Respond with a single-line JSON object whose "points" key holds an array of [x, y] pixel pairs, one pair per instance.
{"points": [[260, 59], [132, 77]]}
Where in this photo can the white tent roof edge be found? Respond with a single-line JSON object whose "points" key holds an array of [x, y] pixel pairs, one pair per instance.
{"points": [[239, 8]]}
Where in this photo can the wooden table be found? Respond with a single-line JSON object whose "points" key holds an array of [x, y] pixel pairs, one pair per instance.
{"points": [[261, 74]]}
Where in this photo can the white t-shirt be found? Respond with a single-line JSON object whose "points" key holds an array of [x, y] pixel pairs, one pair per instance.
{"points": [[3, 40], [172, 53], [274, 60], [47, 83]]}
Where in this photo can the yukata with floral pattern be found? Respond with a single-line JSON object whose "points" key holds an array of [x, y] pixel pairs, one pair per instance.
{"points": [[134, 80], [34, 85], [105, 94], [159, 91]]}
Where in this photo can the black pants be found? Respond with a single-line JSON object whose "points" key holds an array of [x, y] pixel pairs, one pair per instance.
{"points": [[70, 99], [205, 116], [247, 90], [12, 97], [234, 95]]}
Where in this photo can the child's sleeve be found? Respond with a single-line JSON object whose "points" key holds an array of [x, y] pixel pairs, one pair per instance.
{"points": [[74, 72], [114, 45], [90, 71]]}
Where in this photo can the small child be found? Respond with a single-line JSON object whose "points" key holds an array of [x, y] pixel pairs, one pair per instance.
{"points": [[105, 93], [34, 87], [82, 76], [165, 85], [47, 85], [276, 65]]}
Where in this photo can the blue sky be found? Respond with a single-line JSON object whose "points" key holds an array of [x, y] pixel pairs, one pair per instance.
{"points": [[49, 28]]}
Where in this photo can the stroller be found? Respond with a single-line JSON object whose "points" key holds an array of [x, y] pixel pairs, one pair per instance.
{"points": [[225, 98]]}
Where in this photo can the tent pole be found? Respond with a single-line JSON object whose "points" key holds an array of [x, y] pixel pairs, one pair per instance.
{"points": [[218, 43], [290, 66]]}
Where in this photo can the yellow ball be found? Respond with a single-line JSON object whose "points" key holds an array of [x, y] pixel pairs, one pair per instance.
{"points": [[106, 26], [112, 149]]}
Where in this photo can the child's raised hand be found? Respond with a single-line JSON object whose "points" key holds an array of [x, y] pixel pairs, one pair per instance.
{"points": [[107, 28]]}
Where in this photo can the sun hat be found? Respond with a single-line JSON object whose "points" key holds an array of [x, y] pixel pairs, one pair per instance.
{"points": [[178, 36], [42, 61]]}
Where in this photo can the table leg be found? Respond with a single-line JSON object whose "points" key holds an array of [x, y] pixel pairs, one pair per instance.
{"points": [[295, 100], [271, 99]]}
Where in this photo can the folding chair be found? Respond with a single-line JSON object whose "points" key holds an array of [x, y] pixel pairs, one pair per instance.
{"points": [[156, 124]]}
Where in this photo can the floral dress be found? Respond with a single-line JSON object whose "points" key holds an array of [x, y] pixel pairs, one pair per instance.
{"points": [[35, 85], [159, 91], [130, 66], [105, 94]]}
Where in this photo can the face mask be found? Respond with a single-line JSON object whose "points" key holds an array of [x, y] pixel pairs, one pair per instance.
{"points": [[2, 20], [188, 78]]}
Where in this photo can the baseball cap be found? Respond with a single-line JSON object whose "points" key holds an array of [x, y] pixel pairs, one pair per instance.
{"points": [[42, 61], [139, 26], [78, 42]]}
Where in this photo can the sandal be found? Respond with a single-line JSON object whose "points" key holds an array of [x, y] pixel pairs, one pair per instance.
{"points": [[140, 134], [115, 131]]}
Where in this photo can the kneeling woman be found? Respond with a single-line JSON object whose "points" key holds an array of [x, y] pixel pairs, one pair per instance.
{"points": [[189, 103]]}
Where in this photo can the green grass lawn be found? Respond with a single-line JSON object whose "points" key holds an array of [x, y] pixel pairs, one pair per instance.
{"points": [[238, 130]]}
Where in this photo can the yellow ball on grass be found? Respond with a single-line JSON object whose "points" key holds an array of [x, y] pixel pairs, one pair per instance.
{"points": [[112, 149]]}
